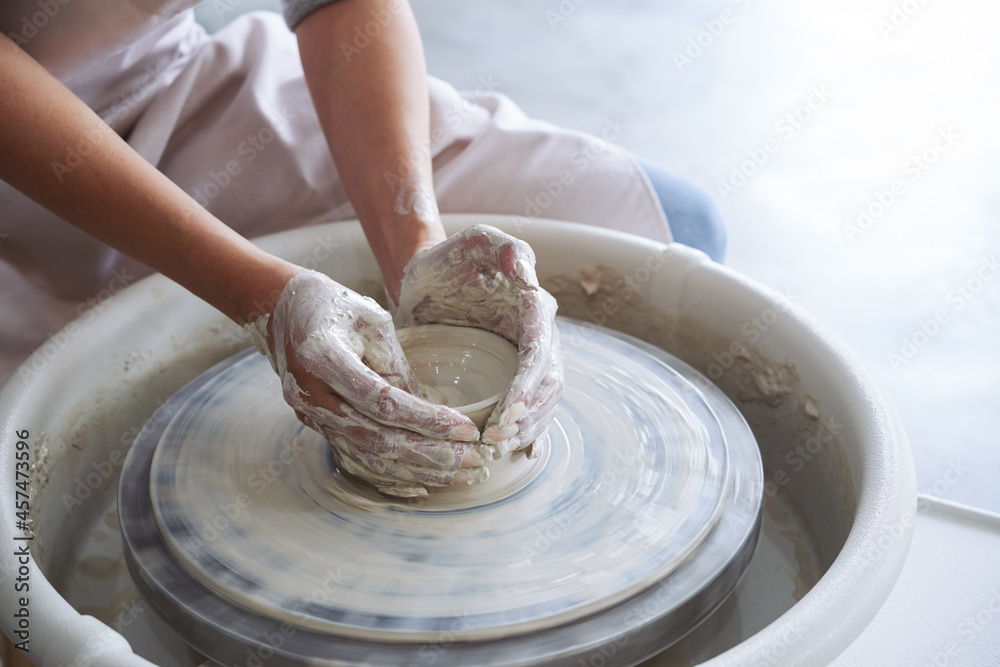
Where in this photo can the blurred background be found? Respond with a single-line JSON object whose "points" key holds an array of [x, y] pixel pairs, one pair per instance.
{"points": [[876, 206]]}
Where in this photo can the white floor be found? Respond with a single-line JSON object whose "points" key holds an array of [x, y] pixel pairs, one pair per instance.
{"points": [[902, 94]]}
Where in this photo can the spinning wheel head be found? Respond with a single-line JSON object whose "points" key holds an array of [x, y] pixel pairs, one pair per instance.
{"points": [[236, 519]]}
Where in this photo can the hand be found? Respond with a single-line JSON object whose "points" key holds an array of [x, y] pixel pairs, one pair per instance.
{"points": [[482, 277], [343, 372]]}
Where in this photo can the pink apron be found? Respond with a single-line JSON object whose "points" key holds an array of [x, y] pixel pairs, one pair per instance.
{"points": [[228, 118]]}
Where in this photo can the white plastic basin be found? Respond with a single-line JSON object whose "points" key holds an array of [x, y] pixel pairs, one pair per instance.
{"points": [[840, 492]]}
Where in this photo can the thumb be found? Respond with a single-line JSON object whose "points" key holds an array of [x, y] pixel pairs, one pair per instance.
{"points": [[384, 355]]}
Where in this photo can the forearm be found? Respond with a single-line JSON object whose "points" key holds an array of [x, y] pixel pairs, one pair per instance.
{"points": [[118, 197], [373, 106]]}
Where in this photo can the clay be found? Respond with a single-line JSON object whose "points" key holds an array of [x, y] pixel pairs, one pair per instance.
{"points": [[462, 367]]}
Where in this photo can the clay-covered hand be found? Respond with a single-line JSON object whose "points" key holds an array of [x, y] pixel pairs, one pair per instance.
{"points": [[343, 372], [484, 278]]}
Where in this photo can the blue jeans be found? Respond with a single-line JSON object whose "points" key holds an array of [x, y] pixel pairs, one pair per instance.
{"points": [[693, 217]]}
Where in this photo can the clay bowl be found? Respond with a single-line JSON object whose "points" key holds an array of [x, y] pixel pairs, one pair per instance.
{"points": [[461, 367]]}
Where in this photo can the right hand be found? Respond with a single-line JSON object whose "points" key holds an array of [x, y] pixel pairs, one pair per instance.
{"points": [[343, 372], [483, 277]]}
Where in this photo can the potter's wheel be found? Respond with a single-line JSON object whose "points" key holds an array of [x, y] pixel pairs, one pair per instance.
{"points": [[634, 521]]}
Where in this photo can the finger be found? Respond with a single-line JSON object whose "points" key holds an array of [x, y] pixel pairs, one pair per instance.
{"points": [[364, 436], [543, 416], [429, 455], [537, 407], [517, 263], [502, 252], [383, 472], [388, 360], [539, 354], [386, 485], [403, 447], [365, 390], [526, 438]]}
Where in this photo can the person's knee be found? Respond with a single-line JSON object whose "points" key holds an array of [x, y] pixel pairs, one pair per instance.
{"points": [[702, 217], [693, 217]]}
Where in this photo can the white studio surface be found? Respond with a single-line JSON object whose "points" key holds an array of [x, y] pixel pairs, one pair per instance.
{"points": [[837, 524], [945, 608]]}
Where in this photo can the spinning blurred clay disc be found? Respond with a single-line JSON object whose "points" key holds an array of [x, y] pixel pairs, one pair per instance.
{"points": [[628, 489]]}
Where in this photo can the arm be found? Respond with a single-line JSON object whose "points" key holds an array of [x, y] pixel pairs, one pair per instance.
{"points": [[121, 199], [382, 433], [373, 105], [374, 108]]}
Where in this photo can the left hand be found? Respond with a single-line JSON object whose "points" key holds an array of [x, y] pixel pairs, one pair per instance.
{"points": [[343, 372], [482, 277]]}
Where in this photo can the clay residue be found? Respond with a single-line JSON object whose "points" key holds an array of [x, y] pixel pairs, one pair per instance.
{"points": [[41, 470], [811, 407], [122, 604], [40, 466], [600, 295], [764, 380], [99, 567], [137, 358], [795, 529]]}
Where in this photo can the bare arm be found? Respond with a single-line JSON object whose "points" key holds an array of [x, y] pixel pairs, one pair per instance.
{"points": [[374, 108], [373, 105], [379, 432], [118, 197]]}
